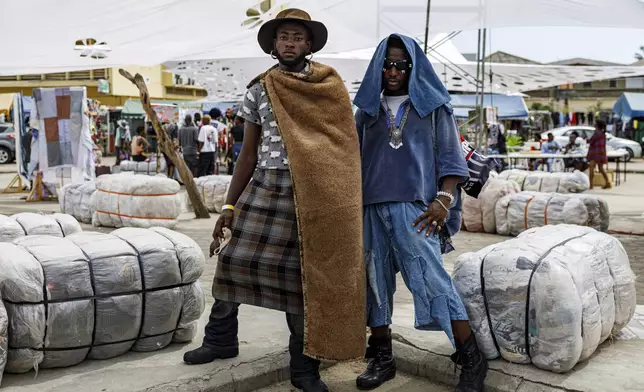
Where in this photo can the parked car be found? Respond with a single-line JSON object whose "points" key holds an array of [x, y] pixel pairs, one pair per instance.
{"points": [[562, 136], [7, 143]]}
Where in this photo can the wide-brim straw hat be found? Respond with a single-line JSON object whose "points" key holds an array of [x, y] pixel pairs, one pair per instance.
{"points": [[266, 34]]}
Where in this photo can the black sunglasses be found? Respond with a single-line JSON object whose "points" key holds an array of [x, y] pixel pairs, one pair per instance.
{"points": [[402, 65]]}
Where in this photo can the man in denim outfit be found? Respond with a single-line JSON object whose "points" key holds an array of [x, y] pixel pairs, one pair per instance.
{"points": [[412, 164]]}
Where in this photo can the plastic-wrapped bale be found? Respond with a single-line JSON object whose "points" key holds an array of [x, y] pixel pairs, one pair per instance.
{"points": [[538, 181], [29, 223], [478, 214], [127, 200], [518, 212], [213, 190], [78, 201], [94, 295], [548, 297], [4, 338], [147, 168]]}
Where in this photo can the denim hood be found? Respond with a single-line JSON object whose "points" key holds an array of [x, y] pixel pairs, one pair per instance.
{"points": [[426, 91]]}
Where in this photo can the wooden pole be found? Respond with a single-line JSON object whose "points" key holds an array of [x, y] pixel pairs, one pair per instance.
{"points": [[166, 146]]}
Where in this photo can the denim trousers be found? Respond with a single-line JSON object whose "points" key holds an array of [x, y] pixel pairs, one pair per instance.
{"points": [[222, 331], [393, 245]]}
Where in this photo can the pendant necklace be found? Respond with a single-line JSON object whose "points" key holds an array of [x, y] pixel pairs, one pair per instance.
{"points": [[395, 133]]}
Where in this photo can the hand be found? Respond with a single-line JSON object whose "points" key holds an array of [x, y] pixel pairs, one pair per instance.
{"points": [[434, 217], [225, 220]]}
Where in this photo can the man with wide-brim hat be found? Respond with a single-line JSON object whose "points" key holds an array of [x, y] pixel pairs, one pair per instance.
{"points": [[296, 217]]}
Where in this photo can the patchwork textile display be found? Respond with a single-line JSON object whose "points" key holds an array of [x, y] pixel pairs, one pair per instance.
{"points": [[94, 295], [518, 212], [213, 191], [64, 130], [78, 200], [537, 181], [548, 297], [479, 214], [29, 223], [148, 168], [128, 200]]}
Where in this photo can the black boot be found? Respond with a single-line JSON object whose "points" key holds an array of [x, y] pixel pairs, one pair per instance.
{"points": [[305, 371], [220, 339], [205, 354], [473, 367], [382, 365], [310, 385]]}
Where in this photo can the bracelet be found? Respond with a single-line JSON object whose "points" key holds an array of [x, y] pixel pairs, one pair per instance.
{"points": [[442, 205], [228, 207], [448, 195]]}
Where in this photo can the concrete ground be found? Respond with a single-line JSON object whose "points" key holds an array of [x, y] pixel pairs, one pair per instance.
{"points": [[342, 378], [263, 336]]}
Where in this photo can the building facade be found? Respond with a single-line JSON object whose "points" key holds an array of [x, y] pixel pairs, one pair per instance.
{"points": [[576, 97], [107, 85]]}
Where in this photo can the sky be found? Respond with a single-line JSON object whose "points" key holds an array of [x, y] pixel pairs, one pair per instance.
{"points": [[547, 44]]}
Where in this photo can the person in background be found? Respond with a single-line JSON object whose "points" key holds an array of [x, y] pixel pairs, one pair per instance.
{"points": [[139, 147], [549, 147], [122, 140], [230, 117], [188, 140], [172, 130], [236, 138], [597, 156], [412, 165], [574, 147], [198, 120], [219, 122], [151, 137], [207, 146]]}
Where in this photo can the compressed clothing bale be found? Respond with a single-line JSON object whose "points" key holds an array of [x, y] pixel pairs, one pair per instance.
{"points": [[95, 295], [479, 214], [4, 338], [78, 200], [127, 200], [29, 223], [213, 191], [518, 212], [548, 297], [538, 181], [146, 168]]}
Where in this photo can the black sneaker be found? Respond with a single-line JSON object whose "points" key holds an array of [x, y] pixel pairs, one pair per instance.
{"points": [[204, 354], [473, 365]]}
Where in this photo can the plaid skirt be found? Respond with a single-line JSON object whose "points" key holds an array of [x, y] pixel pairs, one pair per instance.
{"points": [[261, 264]]}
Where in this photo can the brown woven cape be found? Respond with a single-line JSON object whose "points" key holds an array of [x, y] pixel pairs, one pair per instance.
{"points": [[314, 115]]}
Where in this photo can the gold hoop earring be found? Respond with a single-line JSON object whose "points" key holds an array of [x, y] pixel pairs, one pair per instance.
{"points": [[273, 56]]}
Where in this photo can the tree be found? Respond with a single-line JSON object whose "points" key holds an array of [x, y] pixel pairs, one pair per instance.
{"points": [[640, 54], [167, 147]]}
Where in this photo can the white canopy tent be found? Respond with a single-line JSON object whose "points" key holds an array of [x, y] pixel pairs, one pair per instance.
{"points": [[226, 79], [380, 18], [148, 32]]}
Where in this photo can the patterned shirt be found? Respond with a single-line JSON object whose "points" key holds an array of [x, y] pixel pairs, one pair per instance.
{"points": [[258, 110]]}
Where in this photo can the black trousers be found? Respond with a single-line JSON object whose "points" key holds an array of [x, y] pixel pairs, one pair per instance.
{"points": [[206, 161], [192, 162], [223, 326]]}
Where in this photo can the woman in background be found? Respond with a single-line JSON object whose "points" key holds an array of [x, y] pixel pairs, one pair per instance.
{"points": [[597, 154]]}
